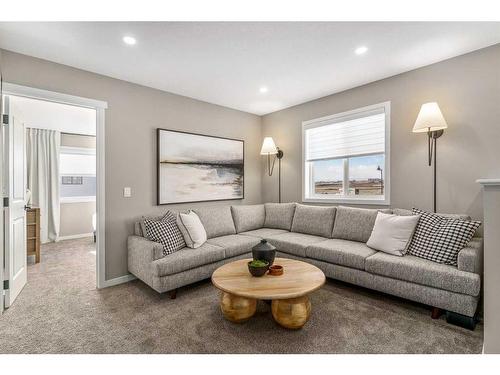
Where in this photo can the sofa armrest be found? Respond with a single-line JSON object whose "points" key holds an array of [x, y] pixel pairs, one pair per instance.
{"points": [[470, 258], [141, 255], [143, 247]]}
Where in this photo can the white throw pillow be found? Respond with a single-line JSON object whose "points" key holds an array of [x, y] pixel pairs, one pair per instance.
{"points": [[192, 229], [392, 233]]}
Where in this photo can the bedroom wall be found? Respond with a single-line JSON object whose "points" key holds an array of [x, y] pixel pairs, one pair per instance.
{"points": [[133, 115], [467, 89], [76, 217]]}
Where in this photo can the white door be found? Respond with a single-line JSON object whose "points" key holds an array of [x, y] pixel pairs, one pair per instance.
{"points": [[1, 200], [14, 189]]}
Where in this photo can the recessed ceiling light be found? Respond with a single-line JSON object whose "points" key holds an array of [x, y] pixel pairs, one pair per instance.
{"points": [[263, 90], [361, 50], [130, 40]]}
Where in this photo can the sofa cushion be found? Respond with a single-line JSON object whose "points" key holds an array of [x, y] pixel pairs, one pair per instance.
{"points": [[279, 215], [264, 232], [235, 244], [342, 252], [314, 220], [217, 220], [424, 272], [187, 258], [405, 212], [138, 229], [439, 238], [294, 243], [355, 224], [248, 217]]}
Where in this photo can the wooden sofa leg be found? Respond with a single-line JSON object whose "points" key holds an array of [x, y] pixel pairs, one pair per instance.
{"points": [[436, 313], [460, 320], [173, 294]]}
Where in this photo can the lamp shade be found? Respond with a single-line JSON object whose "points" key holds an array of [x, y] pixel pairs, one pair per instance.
{"points": [[268, 147], [429, 118]]}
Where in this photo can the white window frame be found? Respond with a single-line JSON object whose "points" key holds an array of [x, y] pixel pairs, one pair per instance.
{"points": [[345, 199], [78, 151]]}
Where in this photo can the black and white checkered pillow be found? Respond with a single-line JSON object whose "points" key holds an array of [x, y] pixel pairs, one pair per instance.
{"points": [[166, 232], [440, 238]]}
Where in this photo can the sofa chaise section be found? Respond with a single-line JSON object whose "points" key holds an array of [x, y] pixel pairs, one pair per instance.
{"points": [[462, 304], [424, 272]]}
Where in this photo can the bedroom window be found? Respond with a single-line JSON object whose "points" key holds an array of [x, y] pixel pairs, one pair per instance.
{"points": [[346, 157], [77, 175]]}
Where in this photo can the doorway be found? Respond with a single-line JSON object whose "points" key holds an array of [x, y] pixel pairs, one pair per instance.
{"points": [[65, 199]]}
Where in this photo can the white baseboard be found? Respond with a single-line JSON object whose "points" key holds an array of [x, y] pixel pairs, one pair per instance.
{"points": [[118, 280], [75, 236]]}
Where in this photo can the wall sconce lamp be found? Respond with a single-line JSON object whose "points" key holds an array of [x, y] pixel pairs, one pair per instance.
{"points": [[431, 120], [269, 148]]}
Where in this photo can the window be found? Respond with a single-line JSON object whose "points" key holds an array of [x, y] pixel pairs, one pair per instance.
{"points": [[346, 157], [77, 174]]}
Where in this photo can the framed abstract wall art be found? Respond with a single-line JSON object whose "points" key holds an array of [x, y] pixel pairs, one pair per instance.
{"points": [[195, 167]]}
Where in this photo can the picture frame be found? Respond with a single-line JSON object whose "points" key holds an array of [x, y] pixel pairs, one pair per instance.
{"points": [[194, 167]]}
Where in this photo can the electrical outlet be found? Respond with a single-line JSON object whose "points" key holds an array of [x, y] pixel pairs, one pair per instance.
{"points": [[127, 192]]}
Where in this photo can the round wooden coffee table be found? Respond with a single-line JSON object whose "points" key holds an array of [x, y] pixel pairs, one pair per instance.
{"points": [[289, 292]]}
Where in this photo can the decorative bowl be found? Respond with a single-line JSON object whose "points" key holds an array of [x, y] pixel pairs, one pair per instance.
{"points": [[276, 270], [258, 267]]}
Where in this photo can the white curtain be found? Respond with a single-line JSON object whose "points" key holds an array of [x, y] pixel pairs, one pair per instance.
{"points": [[42, 151]]}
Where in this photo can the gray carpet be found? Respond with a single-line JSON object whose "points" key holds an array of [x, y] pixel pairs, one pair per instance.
{"points": [[60, 311]]}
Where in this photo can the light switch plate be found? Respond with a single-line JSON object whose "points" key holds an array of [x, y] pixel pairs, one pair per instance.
{"points": [[127, 192]]}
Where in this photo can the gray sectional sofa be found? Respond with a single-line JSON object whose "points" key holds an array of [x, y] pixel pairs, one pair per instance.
{"points": [[332, 238]]}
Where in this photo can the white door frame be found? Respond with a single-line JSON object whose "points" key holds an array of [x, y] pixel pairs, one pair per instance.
{"points": [[100, 107]]}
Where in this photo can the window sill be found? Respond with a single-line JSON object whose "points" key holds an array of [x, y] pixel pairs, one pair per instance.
{"points": [[64, 200], [353, 201]]}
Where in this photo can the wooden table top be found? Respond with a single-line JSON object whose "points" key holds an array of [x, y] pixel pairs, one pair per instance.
{"points": [[299, 278]]}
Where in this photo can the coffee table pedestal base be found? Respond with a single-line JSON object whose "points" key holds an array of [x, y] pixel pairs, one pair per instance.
{"points": [[291, 313], [237, 309]]}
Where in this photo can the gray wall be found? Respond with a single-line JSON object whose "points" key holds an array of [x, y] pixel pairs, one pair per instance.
{"points": [[133, 115], [76, 218], [467, 89]]}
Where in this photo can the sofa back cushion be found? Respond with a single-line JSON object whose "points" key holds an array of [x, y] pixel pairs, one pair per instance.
{"points": [[355, 224], [248, 217], [405, 212], [217, 220], [138, 229], [279, 215], [313, 220]]}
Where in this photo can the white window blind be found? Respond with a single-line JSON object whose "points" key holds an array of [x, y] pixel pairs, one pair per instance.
{"points": [[361, 135]]}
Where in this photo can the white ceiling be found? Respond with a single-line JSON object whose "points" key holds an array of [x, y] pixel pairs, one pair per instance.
{"points": [[227, 62]]}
